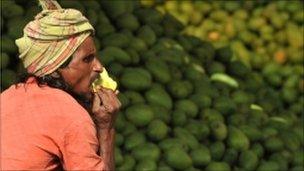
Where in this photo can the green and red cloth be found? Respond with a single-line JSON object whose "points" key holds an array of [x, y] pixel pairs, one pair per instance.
{"points": [[52, 37]]}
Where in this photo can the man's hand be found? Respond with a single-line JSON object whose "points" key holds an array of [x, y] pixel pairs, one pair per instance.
{"points": [[105, 106]]}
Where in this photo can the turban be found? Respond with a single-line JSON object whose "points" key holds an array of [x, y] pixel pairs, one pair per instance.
{"points": [[52, 37]]}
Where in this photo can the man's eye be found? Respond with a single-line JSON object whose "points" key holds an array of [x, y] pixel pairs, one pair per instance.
{"points": [[88, 58]]}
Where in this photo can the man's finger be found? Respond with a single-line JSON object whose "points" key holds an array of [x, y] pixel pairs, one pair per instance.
{"points": [[103, 93], [96, 103], [108, 92], [116, 92], [108, 98]]}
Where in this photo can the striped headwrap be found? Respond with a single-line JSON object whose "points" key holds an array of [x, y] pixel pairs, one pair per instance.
{"points": [[52, 37]]}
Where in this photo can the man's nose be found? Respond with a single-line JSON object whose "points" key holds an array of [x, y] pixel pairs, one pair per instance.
{"points": [[98, 67]]}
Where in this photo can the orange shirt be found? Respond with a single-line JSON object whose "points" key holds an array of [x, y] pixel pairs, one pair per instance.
{"points": [[44, 128]]}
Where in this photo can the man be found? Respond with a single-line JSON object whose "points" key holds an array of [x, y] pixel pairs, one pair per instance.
{"points": [[52, 120]]}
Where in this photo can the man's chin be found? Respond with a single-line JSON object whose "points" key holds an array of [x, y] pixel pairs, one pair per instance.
{"points": [[83, 97], [87, 94]]}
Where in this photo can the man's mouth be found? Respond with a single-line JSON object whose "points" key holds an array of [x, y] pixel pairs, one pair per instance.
{"points": [[94, 78]]}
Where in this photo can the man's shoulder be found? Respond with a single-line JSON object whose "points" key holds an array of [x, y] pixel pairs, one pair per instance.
{"points": [[67, 108], [42, 98], [47, 105], [61, 99], [57, 94], [41, 92]]}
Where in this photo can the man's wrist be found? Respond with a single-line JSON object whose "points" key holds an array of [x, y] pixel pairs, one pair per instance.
{"points": [[104, 122], [105, 132]]}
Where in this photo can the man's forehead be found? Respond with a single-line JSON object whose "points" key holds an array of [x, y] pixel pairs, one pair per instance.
{"points": [[88, 46]]}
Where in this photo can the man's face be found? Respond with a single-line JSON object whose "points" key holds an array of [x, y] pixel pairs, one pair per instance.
{"points": [[83, 69]]}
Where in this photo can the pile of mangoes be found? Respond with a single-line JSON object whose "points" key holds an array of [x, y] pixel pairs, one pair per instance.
{"points": [[257, 31]]}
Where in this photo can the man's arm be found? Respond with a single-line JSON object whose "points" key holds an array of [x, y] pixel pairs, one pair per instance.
{"points": [[106, 138], [105, 107]]}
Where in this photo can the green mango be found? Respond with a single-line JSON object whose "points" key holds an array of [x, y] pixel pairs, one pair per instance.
{"points": [[139, 114], [248, 160], [214, 166], [177, 158], [146, 151], [237, 139], [157, 130], [142, 76], [218, 130], [158, 96], [146, 165], [200, 156], [128, 163], [134, 140], [217, 150]]}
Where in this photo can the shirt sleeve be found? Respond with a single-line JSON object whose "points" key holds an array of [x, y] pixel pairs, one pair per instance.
{"points": [[80, 147]]}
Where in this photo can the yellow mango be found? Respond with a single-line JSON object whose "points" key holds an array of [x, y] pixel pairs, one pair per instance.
{"points": [[105, 81]]}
